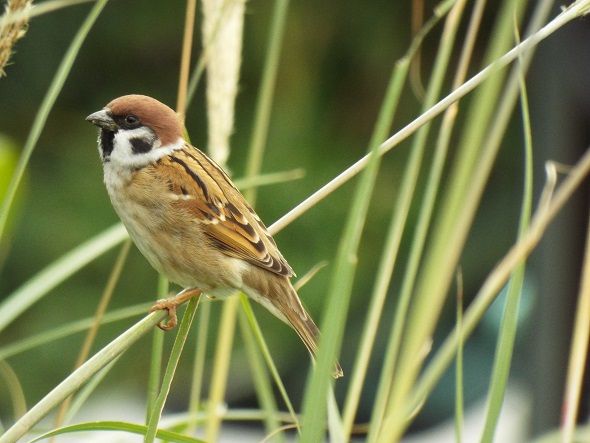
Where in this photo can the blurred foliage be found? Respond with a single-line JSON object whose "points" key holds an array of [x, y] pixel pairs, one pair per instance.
{"points": [[335, 64]]}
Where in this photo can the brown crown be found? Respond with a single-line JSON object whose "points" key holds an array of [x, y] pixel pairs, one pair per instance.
{"points": [[152, 113]]}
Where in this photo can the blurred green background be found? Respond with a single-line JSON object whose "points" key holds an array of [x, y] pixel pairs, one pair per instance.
{"points": [[336, 60]]}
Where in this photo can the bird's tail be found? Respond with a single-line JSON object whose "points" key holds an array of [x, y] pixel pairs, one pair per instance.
{"points": [[287, 306]]}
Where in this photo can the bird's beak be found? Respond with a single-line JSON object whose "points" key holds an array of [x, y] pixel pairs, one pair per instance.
{"points": [[102, 119]]}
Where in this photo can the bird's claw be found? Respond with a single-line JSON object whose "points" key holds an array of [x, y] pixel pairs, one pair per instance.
{"points": [[172, 320]]}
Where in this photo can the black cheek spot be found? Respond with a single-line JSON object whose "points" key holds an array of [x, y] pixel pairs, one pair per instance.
{"points": [[140, 145]]}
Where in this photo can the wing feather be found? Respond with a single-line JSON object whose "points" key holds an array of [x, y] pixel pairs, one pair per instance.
{"points": [[213, 200]]}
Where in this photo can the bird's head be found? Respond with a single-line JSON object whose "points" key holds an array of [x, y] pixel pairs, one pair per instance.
{"points": [[136, 130]]}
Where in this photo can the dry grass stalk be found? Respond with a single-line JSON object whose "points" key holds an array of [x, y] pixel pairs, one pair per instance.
{"points": [[12, 31], [223, 22]]}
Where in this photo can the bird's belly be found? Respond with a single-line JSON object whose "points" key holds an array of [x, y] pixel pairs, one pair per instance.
{"points": [[176, 248]]}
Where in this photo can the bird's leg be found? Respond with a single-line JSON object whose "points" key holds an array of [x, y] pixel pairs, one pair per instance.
{"points": [[170, 305]]}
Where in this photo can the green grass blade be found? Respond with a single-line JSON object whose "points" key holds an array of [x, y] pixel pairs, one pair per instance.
{"points": [[58, 271], [81, 375], [48, 102], [175, 354], [269, 179], [525, 47], [338, 296], [15, 389], [247, 308], [402, 208], [459, 404], [388, 257], [496, 280], [382, 280], [507, 336], [199, 365], [153, 386], [444, 251], [87, 391], [103, 304], [130, 428], [226, 331], [48, 336], [266, 93], [260, 377]]}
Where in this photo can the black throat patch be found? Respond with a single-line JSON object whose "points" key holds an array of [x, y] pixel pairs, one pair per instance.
{"points": [[106, 143]]}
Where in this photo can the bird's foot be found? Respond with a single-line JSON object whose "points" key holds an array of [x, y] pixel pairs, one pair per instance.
{"points": [[170, 305]]}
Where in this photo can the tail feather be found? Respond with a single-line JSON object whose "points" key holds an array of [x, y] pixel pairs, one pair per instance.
{"points": [[309, 333], [285, 304]]}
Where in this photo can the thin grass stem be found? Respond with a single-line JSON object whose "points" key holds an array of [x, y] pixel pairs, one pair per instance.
{"points": [[98, 317], [574, 11], [578, 353], [39, 9], [387, 262]]}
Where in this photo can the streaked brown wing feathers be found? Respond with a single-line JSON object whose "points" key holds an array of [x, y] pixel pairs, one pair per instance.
{"points": [[227, 218]]}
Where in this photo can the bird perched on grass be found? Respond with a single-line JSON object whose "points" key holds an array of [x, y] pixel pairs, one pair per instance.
{"points": [[186, 216]]}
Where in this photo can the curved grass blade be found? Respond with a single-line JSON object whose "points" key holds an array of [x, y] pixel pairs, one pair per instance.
{"points": [[260, 377], [15, 389], [122, 426], [339, 292], [175, 354], [58, 271], [507, 335], [48, 101]]}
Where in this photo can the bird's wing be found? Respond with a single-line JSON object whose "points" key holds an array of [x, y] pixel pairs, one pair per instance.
{"points": [[204, 189]]}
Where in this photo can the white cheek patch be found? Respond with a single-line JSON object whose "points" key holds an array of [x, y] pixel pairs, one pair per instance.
{"points": [[124, 155], [122, 162]]}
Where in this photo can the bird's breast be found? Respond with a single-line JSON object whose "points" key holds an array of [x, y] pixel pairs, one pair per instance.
{"points": [[172, 241]]}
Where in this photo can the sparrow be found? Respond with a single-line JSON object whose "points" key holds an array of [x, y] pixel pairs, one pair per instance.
{"points": [[188, 219]]}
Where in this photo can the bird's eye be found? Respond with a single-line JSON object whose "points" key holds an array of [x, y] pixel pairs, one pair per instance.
{"points": [[131, 119]]}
